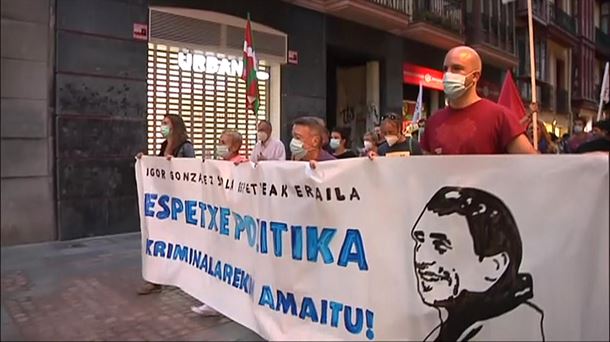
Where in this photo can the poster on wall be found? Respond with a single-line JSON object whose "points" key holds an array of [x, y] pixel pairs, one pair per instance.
{"points": [[463, 248]]}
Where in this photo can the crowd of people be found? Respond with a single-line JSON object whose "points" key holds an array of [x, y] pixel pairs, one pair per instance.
{"points": [[468, 125]]}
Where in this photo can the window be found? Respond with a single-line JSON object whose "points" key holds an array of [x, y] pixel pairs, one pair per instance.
{"points": [[209, 103], [604, 22], [540, 56]]}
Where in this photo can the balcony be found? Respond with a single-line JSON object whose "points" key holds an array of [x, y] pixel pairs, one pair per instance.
{"points": [[602, 43], [400, 6], [387, 15], [562, 19], [539, 10], [492, 39], [562, 26], [437, 22]]}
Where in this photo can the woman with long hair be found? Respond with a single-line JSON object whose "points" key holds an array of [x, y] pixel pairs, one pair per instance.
{"points": [[176, 144], [545, 143]]}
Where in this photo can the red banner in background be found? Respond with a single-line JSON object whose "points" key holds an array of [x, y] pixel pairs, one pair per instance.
{"points": [[433, 79], [430, 78]]}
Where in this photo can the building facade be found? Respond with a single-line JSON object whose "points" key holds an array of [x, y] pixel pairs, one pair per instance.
{"points": [[82, 94], [571, 47]]}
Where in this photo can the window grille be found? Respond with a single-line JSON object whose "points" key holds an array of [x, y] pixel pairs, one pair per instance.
{"points": [[208, 103]]}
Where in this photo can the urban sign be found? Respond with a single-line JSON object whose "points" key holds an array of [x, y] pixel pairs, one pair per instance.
{"points": [[213, 65]]}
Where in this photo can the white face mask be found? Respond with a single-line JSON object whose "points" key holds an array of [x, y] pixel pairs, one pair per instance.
{"points": [[335, 143], [262, 136], [578, 129], [368, 145], [222, 150], [391, 139], [454, 85], [297, 149]]}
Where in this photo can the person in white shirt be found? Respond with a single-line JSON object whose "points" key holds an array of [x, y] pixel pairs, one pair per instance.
{"points": [[267, 148]]}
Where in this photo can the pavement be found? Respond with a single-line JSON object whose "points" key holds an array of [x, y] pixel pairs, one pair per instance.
{"points": [[85, 290]]}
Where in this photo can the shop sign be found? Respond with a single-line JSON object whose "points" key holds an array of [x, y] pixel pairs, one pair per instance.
{"points": [[293, 57], [429, 78], [214, 65], [140, 31]]}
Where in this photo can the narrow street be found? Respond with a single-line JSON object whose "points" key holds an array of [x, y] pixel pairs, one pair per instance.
{"points": [[86, 290]]}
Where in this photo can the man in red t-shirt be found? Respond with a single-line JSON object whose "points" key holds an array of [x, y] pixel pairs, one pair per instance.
{"points": [[470, 124]]}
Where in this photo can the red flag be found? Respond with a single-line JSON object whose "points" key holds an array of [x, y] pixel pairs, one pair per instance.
{"points": [[510, 96], [249, 71]]}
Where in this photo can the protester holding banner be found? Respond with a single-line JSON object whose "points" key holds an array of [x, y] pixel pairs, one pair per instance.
{"points": [[395, 141], [230, 144], [340, 143], [579, 137], [371, 141], [545, 143], [308, 138], [176, 144], [267, 148], [470, 124]]}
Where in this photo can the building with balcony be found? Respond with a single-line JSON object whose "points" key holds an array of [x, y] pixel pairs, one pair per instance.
{"points": [[593, 50], [555, 40], [601, 15], [102, 85]]}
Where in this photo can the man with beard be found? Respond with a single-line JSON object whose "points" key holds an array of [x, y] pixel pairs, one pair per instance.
{"points": [[467, 255]]}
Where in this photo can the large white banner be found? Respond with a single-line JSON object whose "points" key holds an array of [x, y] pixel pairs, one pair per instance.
{"points": [[419, 248]]}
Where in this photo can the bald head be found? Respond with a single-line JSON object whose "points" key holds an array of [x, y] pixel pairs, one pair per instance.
{"points": [[462, 60]]}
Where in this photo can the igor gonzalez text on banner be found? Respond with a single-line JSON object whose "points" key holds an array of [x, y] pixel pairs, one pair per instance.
{"points": [[420, 248]]}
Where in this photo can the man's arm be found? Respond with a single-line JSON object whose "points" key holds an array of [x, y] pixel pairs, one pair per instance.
{"points": [[520, 145]]}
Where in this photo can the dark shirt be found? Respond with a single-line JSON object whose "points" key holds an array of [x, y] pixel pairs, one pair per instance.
{"points": [[601, 144], [410, 145], [186, 150], [346, 154]]}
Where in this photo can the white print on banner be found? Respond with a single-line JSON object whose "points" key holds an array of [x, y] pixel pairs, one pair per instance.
{"points": [[474, 285], [476, 263]]}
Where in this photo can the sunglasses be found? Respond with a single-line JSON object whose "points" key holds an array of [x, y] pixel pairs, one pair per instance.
{"points": [[391, 116]]}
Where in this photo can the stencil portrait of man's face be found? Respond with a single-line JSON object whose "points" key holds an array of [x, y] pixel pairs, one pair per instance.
{"points": [[445, 261]]}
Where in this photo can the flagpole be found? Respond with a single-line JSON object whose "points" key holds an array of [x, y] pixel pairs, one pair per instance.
{"points": [[530, 26], [602, 91]]}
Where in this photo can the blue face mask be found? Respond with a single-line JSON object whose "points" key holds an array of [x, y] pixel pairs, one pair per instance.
{"points": [[297, 149]]}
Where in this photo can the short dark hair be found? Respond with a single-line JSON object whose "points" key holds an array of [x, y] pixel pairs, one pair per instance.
{"points": [[604, 125], [345, 133], [490, 222]]}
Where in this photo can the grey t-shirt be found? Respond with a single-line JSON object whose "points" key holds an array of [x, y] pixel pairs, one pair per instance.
{"points": [[186, 150]]}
